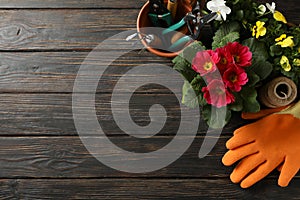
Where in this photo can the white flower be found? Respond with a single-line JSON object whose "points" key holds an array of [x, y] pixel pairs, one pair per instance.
{"points": [[261, 10], [271, 7], [219, 7]]}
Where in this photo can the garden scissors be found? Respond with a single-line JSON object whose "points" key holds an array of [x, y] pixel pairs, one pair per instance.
{"points": [[194, 23]]}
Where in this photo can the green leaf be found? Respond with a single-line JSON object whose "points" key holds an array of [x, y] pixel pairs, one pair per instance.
{"points": [[258, 49], [183, 67], [275, 50], [197, 83], [249, 96], [182, 62], [251, 106], [240, 14], [253, 78], [190, 51], [220, 42], [261, 68], [216, 118], [237, 106], [224, 34], [189, 97], [291, 74]]}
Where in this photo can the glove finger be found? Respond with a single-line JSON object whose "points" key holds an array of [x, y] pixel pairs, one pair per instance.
{"points": [[289, 170], [246, 166], [234, 155], [279, 168], [240, 138], [262, 171]]}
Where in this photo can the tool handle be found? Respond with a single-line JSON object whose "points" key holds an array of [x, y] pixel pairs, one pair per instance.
{"points": [[172, 7], [174, 27]]}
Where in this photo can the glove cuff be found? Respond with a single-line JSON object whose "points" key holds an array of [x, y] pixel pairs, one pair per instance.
{"points": [[292, 110]]}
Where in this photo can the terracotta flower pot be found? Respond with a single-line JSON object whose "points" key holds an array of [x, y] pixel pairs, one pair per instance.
{"points": [[143, 21]]}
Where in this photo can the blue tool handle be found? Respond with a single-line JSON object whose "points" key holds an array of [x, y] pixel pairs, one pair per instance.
{"points": [[174, 27], [180, 43]]}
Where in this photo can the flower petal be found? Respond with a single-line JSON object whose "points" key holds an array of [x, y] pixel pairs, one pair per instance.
{"points": [[278, 16], [261, 10], [219, 7], [271, 7]]}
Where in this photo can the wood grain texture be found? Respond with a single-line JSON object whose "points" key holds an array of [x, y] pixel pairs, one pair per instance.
{"points": [[135, 189], [42, 45], [289, 7], [71, 4], [55, 72], [69, 30], [66, 157], [51, 114], [61, 29]]}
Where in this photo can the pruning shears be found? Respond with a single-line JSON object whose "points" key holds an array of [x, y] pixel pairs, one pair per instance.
{"points": [[194, 23]]}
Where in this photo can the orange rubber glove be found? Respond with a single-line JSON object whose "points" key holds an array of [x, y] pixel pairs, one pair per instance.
{"points": [[264, 145]]}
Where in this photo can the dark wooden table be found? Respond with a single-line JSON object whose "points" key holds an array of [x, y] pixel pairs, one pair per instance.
{"points": [[43, 44]]}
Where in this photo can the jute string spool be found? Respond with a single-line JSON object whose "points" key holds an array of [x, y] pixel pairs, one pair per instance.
{"points": [[277, 93]]}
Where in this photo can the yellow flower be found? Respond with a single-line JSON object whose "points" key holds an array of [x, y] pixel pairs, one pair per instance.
{"points": [[287, 42], [296, 62], [299, 50], [285, 64], [283, 36], [278, 16], [259, 29]]}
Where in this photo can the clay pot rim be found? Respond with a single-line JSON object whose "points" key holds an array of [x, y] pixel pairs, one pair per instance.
{"points": [[152, 50]]}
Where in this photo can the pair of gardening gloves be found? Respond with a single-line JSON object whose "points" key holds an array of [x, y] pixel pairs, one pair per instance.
{"points": [[269, 143]]}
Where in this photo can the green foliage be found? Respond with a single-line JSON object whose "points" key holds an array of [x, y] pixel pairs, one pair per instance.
{"points": [[216, 118], [238, 105], [189, 52], [260, 66], [197, 83], [250, 103], [189, 96], [258, 49], [253, 78], [275, 50], [266, 56], [230, 37], [184, 67], [182, 63], [228, 32]]}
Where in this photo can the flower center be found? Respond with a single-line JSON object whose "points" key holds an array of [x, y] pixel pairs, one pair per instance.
{"points": [[233, 78], [208, 66], [237, 59], [223, 61], [219, 91]]}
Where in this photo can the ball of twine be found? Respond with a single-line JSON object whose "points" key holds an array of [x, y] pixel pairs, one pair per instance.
{"points": [[279, 92]]}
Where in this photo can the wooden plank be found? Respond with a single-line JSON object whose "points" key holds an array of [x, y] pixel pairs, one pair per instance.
{"points": [[71, 4], [56, 71], [61, 29], [131, 189], [51, 114], [289, 7], [69, 30], [66, 157]]}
